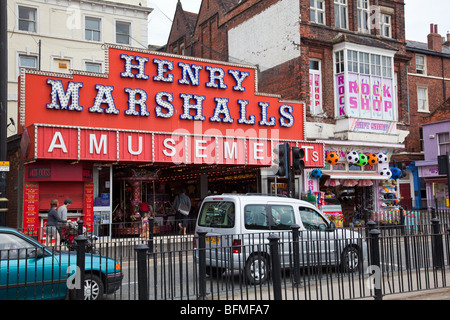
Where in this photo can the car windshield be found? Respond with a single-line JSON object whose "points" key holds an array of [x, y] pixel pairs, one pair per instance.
{"points": [[217, 214]]}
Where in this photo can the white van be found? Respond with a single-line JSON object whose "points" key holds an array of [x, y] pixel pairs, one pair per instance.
{"points": [[237, 227]]}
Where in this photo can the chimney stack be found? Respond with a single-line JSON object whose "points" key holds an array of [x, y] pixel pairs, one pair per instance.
{"points": [[434, 39]]}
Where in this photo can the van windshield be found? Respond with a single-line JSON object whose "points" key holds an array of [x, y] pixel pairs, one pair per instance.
{"points": [[217, 214]]}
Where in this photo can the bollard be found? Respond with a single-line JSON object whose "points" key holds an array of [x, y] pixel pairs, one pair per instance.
{"points": [[201, 265], [276, 265], [296, 248], [80, 227], [141, 251], [374, 249], [438, 249], [81, 259]]}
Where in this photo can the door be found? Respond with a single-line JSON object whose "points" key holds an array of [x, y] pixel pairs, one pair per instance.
{"points": [[317, 245]]}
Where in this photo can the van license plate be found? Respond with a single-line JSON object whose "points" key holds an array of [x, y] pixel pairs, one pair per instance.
{"points": [[212, 239]]}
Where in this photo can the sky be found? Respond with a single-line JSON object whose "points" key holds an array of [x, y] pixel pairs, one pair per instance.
{"points": [[419, 14]]}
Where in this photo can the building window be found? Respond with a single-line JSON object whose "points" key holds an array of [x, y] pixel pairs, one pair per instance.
{"points": [[375, 64], [27, 19], [315, 86], [29, 62], [422, 99], [420, 64], [93, 67], [363, 16], [339, 62], [444, 143], [385, 26], [341, 14], [317, 11], [386, 66], [123, 32], [92, 28], [364, 64], [352, 57]]}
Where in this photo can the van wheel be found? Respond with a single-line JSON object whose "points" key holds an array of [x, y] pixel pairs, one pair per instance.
{"points": [[350, 259], [257, 269]]}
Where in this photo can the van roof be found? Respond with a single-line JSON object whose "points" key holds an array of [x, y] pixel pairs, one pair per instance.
{"points": [[254, 197]]}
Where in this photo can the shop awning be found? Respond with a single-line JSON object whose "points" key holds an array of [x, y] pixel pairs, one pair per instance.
{"points": [[355, 175]]}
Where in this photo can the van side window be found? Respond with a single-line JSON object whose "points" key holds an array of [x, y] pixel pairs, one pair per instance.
{"points": [[312, 220], [271, 217], [217, 214]]}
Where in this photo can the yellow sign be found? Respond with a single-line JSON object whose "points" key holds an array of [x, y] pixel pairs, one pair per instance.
{"points": [[4, 165]]}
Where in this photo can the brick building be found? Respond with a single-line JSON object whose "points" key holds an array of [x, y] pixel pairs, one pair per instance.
{"points": [[429, 85], [345, 59]]}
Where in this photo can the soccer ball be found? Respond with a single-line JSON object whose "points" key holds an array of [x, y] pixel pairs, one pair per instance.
{"points": [[372, 159], [382, 158], [385, 172], [352, 157], [316, 174], [396, 173], [362, 161], [332, 158]]}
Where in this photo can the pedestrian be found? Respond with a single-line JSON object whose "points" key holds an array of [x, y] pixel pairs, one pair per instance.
{"points": [[182, 205], [52, 220], [62, 213]]}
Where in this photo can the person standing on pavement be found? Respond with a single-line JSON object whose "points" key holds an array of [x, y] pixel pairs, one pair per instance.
{"points": [[182, 219], [53, 219], [62, 213]]}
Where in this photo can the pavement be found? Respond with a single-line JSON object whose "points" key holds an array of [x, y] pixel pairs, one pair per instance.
{"points": [[432, 294]]}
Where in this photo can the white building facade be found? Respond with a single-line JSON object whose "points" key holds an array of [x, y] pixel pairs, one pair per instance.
{"points": [[59, 36]]}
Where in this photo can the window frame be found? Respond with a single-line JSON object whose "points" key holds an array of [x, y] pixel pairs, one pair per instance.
{"points": [[100, 25], [100, 64], [315, 11], [426, 106], [314, 72], [384, 24], [423, 66], [443, 146], [129, 32], [340, 10], [35, 9], [363, 15]]}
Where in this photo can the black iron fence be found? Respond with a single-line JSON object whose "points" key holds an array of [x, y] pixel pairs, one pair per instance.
{"points": [[368, 263]]}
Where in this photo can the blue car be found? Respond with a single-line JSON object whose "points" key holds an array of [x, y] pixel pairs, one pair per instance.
{"points": [[31, 271]]}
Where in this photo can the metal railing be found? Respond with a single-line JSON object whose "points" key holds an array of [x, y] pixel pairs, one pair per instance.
{"points": [[289, 265]]}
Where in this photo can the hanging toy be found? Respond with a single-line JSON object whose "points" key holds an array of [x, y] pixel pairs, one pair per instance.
{"points": [[372, 158], [396, 173], [385, 172], [332, 158], [382, 158], [316, 174], [362, 161], [352, 157]]}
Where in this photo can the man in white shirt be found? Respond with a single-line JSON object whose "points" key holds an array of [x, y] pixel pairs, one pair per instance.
{"points": [[62, 210]]}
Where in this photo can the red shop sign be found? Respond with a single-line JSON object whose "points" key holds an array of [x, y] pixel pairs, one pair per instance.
{"points": [[150, 91], [118, 145]]}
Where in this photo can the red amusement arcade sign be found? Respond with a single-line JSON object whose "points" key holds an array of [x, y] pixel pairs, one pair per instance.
{"points": [[151, 107]]}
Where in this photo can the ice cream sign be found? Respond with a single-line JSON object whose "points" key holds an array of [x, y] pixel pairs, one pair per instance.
{"points": [[363, 96]]}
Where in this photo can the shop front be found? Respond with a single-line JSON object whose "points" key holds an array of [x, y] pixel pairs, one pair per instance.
{"points": [[121, 143], [355, 185]]}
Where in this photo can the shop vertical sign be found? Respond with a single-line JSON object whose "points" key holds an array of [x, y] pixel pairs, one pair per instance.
{"points": [[88, 206], [31, 209]]}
